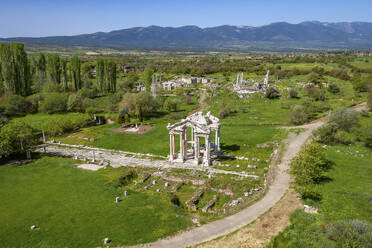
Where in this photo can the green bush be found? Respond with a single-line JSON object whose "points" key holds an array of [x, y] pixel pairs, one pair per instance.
{"points": [[333, 88], [298, 115], [16, 137], [14, 105], [293, 93], [350, 234], [344, 119], [272, 93], [171, 104], [320, 95], [225, 112], [308, 169], [54, 103], [127, 178], [75, 103]]}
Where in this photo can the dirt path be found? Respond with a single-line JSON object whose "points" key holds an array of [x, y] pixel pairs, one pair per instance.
{"points": [[234, 222], [202, 104]]}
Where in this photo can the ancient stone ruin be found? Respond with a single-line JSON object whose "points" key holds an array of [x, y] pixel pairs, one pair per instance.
{"points": [[245, 87], [195, 126]]}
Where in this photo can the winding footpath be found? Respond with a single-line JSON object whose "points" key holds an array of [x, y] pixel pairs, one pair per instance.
{"points": [[234, 222]]}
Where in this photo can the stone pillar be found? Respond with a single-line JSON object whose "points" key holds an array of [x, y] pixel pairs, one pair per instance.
{"points": [[197, 149], [182, 146], [217, 139], [28, 153], [44, 138], [94, 157], [207, 156], [171, 139]]}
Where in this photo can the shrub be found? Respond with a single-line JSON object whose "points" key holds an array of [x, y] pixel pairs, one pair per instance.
{"points": [[13, 105], [176, 117], [51, 87], [369, 100], [333, 88], [175, 200], [171, 104], [298, 115], [351, 233], [367, 134], [308, 168], [272, 93], [224, 113], [16, 136], [54, 103], [90, 93], [127, 178], [293, 93], [75, 103], [326, 134], [188, 99], [343, 137], [320, 95], [344, 119]]}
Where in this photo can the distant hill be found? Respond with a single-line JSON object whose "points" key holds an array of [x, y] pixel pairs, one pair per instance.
{"points": [[315, 35]]}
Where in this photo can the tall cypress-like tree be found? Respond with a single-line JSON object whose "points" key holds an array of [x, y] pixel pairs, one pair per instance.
{"points": [[54, 68], [15, 68], [22, 82], [40, 71], [110, 76], [100, 75], [64, 77], [75, 73], [6, 60]]}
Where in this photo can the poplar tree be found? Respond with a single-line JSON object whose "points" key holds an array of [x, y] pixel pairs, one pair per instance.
{"points": [[110, 75], [21, 73], [75, 73], [54, 68], [64, 77], [100, 75], [40, 71], [6, 61]]}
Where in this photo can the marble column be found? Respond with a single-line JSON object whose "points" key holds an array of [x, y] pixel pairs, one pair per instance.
{"points": [[207, 150], [171, 144], [217, 139], [197, 149]]}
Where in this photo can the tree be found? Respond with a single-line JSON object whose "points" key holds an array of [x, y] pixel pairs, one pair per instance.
{"points": [[54, 103], [14, 105], [16, 137], [75, 72], [308, 168], [110, 76], [139, 105], [344, 119], [40, 71], [100, 75], [54, 68], [171, 104], [147, 76], [21, 67], [64, 77], [6, 61]]}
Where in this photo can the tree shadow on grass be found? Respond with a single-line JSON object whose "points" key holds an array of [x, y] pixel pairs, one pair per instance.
{"points": [[230, 148]]}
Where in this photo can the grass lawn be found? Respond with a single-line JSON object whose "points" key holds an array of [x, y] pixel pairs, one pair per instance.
{"points": [[346, 196], [76, 208]]}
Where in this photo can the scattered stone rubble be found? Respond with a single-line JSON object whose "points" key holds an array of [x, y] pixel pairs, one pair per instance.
{"points": [[115, 158]]}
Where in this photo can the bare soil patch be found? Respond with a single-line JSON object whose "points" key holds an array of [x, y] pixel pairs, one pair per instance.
{"points": [[259, 233], [131, 129]]}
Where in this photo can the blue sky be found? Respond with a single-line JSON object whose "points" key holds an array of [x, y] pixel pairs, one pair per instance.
{"points": [[69, 17]]}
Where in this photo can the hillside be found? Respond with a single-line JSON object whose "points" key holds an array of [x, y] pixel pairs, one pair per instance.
{"points": [[318, 35]]}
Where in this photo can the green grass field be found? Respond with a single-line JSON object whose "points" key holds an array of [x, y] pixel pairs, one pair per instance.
{"points": [[76, 208], [346, 196]]}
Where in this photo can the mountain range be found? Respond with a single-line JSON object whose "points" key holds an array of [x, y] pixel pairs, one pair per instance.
{"points": [[305, 35]]}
